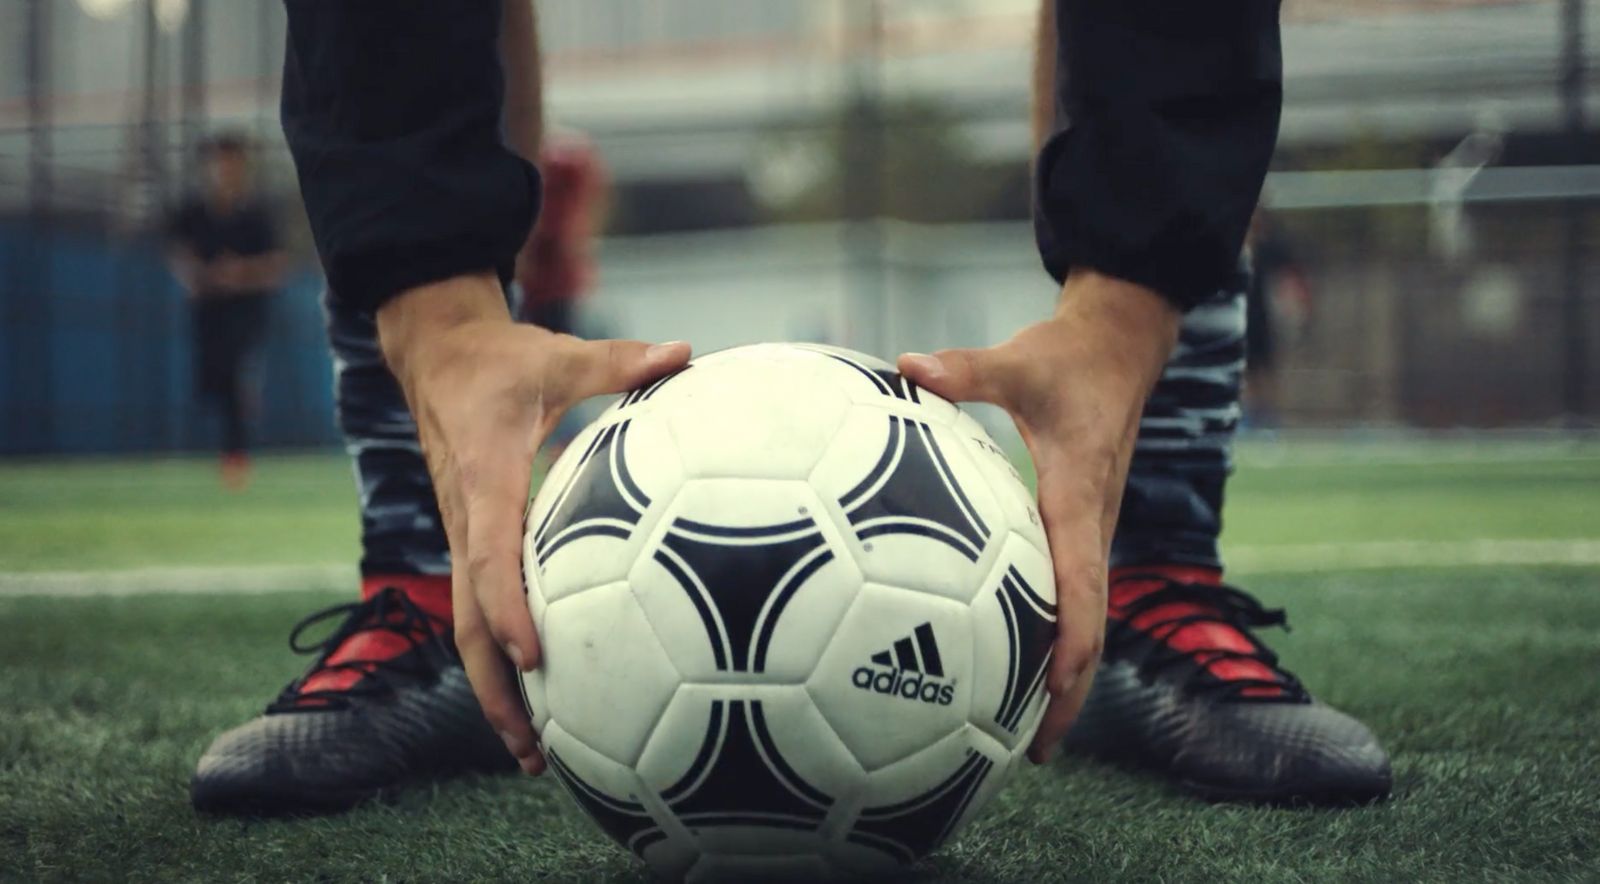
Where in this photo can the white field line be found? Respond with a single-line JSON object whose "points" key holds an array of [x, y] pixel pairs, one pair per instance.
{"points": [[179, 580], [1310, 557], [1265, 456], [1250, 559]]}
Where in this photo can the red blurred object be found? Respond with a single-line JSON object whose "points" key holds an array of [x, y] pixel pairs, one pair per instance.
{"points": [[235, 470], [557, 264]]}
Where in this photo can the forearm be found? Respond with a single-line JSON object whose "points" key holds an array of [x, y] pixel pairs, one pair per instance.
{"points": [[1130, 327], [392, 110], [267, 270], [1163, 121], [524, 78], [1142, 322]]}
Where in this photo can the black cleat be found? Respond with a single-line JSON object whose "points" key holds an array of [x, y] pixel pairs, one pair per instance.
{"points": [[1183, 687], [386, 703]]}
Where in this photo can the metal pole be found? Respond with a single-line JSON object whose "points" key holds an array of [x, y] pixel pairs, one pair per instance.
{"points": [[265, 112], [194, 87], [862, 169], [152, 138], [1575, 357], [34, 334], [40, 182], [157, 317]]}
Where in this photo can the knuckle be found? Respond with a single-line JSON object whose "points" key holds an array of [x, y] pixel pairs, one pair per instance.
{"points": [[1078, 648], [618, 358], [981, 367], [1086, 655], [501, 627], [560, 363], [480, 567], [1080, 656], [470, 636], [1086, 581], [507, 607], [567, 359]]}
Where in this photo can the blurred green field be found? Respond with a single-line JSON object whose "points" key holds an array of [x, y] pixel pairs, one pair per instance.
{"points": [[1483, 680], [94, 515]]}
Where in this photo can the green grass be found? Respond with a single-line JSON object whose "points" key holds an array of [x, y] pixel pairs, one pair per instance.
{"points": [[1514, 499], [1483, 682], [94, 515]]}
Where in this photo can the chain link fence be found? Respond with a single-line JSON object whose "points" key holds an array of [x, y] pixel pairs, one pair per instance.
{"points": [[845, 171]]}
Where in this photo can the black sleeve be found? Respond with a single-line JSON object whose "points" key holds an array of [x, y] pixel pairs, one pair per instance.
{"points": [[392, 111], [1166, 117]]}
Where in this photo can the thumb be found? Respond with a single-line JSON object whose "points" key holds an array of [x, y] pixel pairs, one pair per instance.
{"points": [[597, 368], [957, 375]]}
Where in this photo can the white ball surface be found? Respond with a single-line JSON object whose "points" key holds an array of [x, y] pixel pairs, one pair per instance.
{"points": [[795, 614]]}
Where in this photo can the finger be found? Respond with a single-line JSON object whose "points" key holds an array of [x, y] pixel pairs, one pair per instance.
{"points": [[1080, 617], [492, 682], [1072, 514], [495, 488], [581, 369], [1064, 706], [957, 375], [1058, 719]]}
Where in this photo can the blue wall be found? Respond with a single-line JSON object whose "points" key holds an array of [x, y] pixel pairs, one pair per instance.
{"points": [[95, 352]]}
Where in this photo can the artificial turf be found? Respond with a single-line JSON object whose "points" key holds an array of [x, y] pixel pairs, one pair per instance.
{"points": [[1483, 682]]}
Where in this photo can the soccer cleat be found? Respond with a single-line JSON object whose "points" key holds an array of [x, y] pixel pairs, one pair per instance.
{"points": [[1185, 688], [386, 703]]}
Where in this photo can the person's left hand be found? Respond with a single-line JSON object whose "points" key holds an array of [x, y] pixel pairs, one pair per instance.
{"points": [[1075, 385]]}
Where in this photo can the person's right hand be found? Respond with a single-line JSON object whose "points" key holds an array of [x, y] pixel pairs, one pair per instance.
{"points": [[485, 393]]}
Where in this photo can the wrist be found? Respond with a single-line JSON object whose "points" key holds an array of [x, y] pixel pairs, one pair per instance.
{"points": [[414, 325], [1130, 324]]}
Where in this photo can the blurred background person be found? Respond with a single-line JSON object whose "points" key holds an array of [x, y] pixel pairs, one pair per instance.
{"points": [[223, 246]]}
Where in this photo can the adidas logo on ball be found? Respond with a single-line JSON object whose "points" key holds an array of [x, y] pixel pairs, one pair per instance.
{"points": [[910, 669]]}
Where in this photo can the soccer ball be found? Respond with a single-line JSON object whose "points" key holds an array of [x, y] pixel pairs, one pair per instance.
{"points": [[795, 613]]}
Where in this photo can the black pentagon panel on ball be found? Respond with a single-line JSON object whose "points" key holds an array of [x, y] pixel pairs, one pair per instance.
{"points": [[885, 380], [911, 490], [739, 778], [643, 393], [625, 821], [601, 498], [741, 580], [1030, 636], [909, 829]]}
